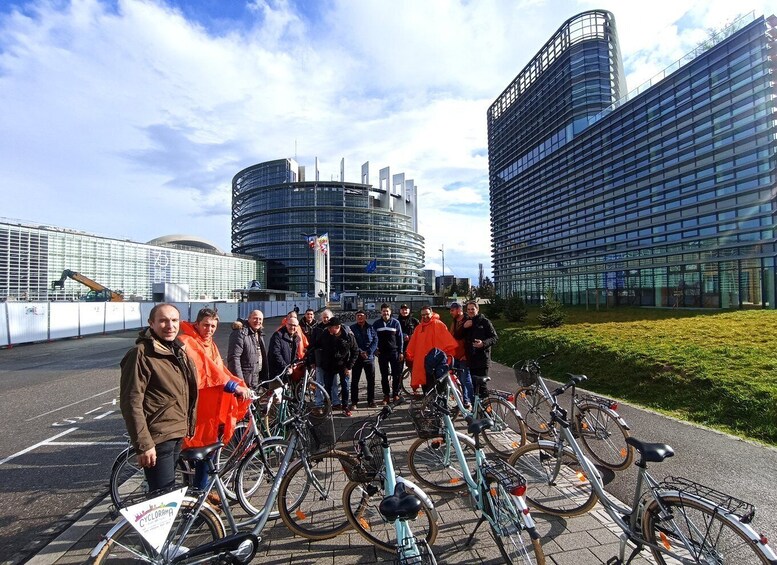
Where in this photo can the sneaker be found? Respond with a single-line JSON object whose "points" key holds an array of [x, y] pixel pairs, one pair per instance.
{"points": [[354, 406], [373, 405], [214, 499], [396, 398], [337, 406], [347, 413], [467, 406], [386, 399]]}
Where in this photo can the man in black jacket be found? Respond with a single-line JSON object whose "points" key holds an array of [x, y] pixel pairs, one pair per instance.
{"points": [[479, 337], [408, 324], [284, 345], [247, 355], [339, 353]]}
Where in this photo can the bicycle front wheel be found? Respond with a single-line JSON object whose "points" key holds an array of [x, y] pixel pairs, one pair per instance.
{"points": [[555, 482], [535, 410], [228, 457], [604, 437], [433, 462], [713, 538], [126, 545], [508, 432], [310, 499], [515, 542], [361, 502], [256, 474]]}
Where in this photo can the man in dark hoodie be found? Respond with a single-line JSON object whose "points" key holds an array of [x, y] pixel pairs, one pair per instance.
{"points": [[158, 396], [339, 353], [479, 337]]}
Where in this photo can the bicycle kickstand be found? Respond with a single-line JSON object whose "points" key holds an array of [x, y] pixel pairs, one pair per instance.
{"points": [[472, 535], [618, 560]]}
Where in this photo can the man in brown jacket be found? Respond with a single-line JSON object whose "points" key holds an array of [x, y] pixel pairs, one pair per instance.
{"points": [[158, 396]]}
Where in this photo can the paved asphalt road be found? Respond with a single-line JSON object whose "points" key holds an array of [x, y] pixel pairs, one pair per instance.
{"points": [[60, 431]]}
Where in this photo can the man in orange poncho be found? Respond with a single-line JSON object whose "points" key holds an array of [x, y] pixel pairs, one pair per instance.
{"points": [[431, 333], [222, 398]]}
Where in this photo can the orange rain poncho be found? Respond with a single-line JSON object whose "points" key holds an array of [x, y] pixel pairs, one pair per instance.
{"points": [[427, 336], [215, 407]]}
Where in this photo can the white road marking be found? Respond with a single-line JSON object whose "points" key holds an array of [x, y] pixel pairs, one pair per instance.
{"points": [[37, 445], [124, 443], [101, 416], [72, 404]]}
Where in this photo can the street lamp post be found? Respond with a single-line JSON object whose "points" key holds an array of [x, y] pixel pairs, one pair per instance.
{"points": [[442, 281], [307, 237]]}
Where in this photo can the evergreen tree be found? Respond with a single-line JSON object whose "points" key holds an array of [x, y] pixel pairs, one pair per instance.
{"points": [[551, 312], [515, 309]]}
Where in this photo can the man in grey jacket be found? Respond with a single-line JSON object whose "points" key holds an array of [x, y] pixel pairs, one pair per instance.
{"points": [[247, 355]]}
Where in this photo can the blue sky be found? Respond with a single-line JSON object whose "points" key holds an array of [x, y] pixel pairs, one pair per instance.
{"points": [[129, 118]]}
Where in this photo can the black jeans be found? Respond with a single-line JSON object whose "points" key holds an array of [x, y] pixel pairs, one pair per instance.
{"points": [[384, 362], [162, 475], [369, 372]]}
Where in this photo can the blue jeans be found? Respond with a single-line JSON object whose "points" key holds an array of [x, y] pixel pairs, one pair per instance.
{"points": [[338, 388], [465, 379]]}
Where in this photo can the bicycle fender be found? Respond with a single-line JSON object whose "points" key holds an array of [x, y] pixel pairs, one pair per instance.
{"points": [[270, 439], [746, 529], [106, 537], [617, 417], [418, 491], [464, 438]]}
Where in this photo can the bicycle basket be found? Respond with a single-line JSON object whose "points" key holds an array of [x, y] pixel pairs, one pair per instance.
{"points": [[732, 505], [524, 374], [348, 441], [427, 420], [319, 433], [506, 475], [423, 556]]}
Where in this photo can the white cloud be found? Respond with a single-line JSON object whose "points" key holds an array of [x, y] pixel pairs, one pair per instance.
{"points": [[129, 120]]}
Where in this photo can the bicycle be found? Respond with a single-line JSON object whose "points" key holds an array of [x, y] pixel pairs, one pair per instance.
{"points": [[677, 520], [381, 518], [597, 423], [199, 523], [497, 489]]}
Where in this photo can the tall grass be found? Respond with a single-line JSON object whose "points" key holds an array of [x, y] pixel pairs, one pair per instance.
{"points": [[715, 368]]}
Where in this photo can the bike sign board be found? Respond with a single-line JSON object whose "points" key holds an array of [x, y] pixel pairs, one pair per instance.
{"points": [[153, 518]]}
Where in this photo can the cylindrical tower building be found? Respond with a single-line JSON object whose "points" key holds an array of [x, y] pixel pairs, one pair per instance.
{"points": [[275, 210]]}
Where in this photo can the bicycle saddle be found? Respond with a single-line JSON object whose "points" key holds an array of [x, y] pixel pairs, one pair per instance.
{"points": [[653, 452], [477, 426], [479, 380], [200, 453], [402, 505]]}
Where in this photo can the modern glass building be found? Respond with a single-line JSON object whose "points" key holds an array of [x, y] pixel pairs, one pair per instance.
{"points": [[275, 210], [664, 197], [32, 257]]}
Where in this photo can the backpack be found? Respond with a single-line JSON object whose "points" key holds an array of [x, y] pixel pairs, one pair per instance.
{"points": [[435, 365]]}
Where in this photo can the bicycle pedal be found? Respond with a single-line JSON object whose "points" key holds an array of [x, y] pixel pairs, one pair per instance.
{"points": [[614, 561]]}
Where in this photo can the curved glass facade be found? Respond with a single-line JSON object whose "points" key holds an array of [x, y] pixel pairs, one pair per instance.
{"points": [[663, 199], [273, 211]]}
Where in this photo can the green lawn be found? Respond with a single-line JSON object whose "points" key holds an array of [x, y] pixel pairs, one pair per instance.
{"points": [[715, 368]]}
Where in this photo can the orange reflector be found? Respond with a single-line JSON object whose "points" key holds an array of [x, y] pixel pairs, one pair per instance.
{"points": [[515, 444], [585, 425], [301, 515], [581, 476], [523, 395], [665, 540], [493, 491], [364, 524], [624, 452], [519, 490], [455, 480], [543, 426]]}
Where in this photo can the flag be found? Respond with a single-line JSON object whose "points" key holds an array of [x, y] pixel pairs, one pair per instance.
{"points": [[323, 243], [372, 266], [312, 241]]}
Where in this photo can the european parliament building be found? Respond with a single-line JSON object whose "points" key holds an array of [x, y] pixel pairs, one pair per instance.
{"points": [[33, 256], [374, 246], [661, 197]]}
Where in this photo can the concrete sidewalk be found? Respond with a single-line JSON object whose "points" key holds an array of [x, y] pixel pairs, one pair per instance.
{"points": [[584, 540]]}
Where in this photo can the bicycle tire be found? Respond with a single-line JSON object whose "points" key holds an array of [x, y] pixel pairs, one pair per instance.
{"points": [[127, 478], [127, 546], [603, 437], [315, 511], [404, 382], [508, 432], [226, 458], [568, 493], [722, 541], [433, 462], [361, 508], [534, 409], [515, 542], [256, 473]]}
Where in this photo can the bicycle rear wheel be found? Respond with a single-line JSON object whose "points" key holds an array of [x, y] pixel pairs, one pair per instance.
{"points": [[255, 476], [714, 538], [515, 543], [535, 410], [127, 478], [508, 432], [555, 482], [311, 503], [361, 502], [604, 437], [126, 545], [227, 459], [433, 462]]}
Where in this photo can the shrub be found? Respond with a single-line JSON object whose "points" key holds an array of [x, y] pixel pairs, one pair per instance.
{"points": [[515, 309], [551, 313]]}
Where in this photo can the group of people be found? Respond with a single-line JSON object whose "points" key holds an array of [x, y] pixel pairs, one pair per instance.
{"points": [[174, 377]]}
